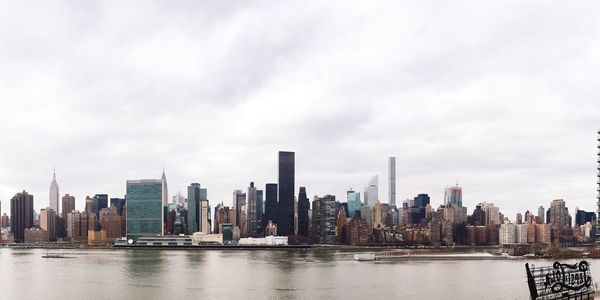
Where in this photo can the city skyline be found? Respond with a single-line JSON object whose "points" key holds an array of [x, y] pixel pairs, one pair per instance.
{"points": [[443, 201], [112, 92]]}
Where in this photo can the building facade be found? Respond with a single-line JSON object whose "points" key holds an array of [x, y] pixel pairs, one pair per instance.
{"points": [[324, 220], [286, 185], [303, 208], [144, 208], [54, 193], [21, 215], [392, 181], [371, 193]]}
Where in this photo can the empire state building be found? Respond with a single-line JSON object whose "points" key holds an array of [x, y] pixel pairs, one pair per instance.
{"points": [[54, 193]]}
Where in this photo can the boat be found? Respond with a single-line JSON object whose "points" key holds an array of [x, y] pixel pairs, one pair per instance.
{"points": [[54, 256], [364, 256]]}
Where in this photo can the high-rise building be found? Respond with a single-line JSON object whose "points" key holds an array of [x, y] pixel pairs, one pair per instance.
{"points": [[111, 222], [239, 203], [165, 190], [353, 203], [21, 215], [508, 234], [582, 217], [286, 183], [144, 208], [303, 207], [377, 215], [392, 180], [324, 220], [54, 193], [204, 216], [453, 196], [366, 213], [519, 218], [558, 214], [371, 193], [88, 204], [252, 226], [99, 201], [260, 210], [68, 204], [5, 221], [541, 214], [270, 204], [492, 213], [193, 205], [48, 222], [118, 204]]}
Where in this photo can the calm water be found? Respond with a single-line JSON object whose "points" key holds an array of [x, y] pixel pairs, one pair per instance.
{"points": [[215, 274]]}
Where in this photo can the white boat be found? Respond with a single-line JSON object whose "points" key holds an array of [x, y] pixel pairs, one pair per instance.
{"points": [[364, 256]]}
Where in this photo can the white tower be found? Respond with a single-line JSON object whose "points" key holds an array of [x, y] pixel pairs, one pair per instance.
{"points": [[392, 181], [165, 190], [54, 192], [371, 191]]}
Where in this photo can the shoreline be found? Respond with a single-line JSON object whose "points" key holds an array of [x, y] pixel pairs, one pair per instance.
{"points": [[382, 253]]}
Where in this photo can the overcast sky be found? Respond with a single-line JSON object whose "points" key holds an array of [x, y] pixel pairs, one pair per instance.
{"points": [[502, 94]]}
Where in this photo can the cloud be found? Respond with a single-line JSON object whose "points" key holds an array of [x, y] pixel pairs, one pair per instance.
{"points": [[501, 95]]}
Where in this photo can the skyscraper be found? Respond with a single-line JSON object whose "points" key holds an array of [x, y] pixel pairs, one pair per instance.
{"points": [[68, 205], [119, 204], [353, 203], [204, 216], [239, 203], [371, 191], [21, 215], [453, 196], [492, 213], [392, 180], [165, 190], [270, 203], [324, 220], [144, 208], [252, 223], [303, 207], [541, 213], [285, 205], [260, 210], [99, 201], [54, 193], [48, 222], [558, 214], [193, 194]]}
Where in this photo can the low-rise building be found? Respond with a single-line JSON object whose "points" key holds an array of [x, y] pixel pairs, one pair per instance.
{"points": [[269, 241]]}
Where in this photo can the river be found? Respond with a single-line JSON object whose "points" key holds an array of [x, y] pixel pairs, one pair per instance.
{"points": [[258, 274]]}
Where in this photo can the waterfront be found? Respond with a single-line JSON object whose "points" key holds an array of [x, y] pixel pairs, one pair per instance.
{"points": [[260, 274]]}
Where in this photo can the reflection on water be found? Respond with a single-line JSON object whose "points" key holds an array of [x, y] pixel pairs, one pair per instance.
{"points": [[144, 263], [259, 274]]}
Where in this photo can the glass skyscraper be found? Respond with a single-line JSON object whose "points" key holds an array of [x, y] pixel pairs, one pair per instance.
{"points": [[270, 204], [353, 203], [193, 202], [371, 191], [144, 208], [285, 205], [303, 207]]}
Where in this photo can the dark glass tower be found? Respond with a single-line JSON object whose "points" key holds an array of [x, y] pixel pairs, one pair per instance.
{"points": [[21, 215], [99, 202], [270, 204], [285, 205], [303, 207]]}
